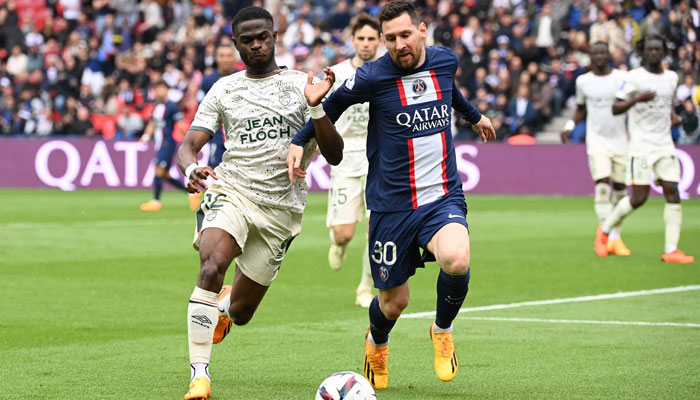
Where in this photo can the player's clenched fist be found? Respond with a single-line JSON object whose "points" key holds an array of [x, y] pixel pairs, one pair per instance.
{"points": [[197, 179]]}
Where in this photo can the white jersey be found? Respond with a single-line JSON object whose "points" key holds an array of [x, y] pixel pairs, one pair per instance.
{"points": [[650, 121], [352, 126], [260, 115], [606, 134]]}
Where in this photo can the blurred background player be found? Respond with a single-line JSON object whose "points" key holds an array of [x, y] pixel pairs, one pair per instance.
{"points": [[648, 93], [252, 211], [166, 117], [413, 187], [225, 66], [606, 137], [346, 196]]}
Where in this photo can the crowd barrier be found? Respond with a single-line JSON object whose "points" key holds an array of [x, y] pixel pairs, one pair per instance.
{"points": [[492, 168]]}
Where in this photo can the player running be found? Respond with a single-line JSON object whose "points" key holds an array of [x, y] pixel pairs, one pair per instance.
{"points": [[346, 197], [606, 137], [166, 117], [648, 93], [252, 211], [413, 187]]}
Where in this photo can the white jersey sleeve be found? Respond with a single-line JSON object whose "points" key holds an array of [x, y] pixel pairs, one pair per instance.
{"points": [[208, 116]]}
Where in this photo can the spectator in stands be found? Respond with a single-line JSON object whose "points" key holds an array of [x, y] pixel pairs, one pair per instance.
{"points": [[690, 132], [521, 110]]}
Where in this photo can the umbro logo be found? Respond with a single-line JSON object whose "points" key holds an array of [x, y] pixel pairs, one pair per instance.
{"points": [[454, 216], [203, 319]]}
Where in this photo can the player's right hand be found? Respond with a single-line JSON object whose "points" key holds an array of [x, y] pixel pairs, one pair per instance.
{"points": [[565, 136], [296, 153], [197, 179], [646, 95], [485, 129]]}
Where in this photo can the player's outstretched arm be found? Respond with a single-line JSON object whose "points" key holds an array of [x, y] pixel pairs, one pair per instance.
{"points": [[329, 140], [485, 129], [187, 161], [579, 115]]}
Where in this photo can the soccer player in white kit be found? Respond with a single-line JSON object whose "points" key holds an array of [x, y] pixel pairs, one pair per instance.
{"points": [[647, 94], [251, 211], [346, 198], [606, 137]]}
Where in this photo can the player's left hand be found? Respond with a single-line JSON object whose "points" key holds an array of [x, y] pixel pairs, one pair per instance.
{"points": [[296, 153], [485, 129], [315, 93]]}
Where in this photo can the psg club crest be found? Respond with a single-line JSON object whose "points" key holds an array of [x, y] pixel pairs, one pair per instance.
{"points": [[285, 98], [383, 274], [419, 87]]}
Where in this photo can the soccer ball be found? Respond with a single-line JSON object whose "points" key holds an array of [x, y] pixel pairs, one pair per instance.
{"points": [[345, 386]]}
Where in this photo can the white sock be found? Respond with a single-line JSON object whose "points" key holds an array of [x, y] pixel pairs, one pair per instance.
{"points": [[601, 201], [366, 282], [437, 329], [377, 346], [614, 234], [202, 317], [673, 216], [224, 305], [199, 370]]}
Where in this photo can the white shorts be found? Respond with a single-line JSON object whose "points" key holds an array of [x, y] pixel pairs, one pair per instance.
{"points": [[263, 233], [607, 166], [665, 168], [346, 200]]}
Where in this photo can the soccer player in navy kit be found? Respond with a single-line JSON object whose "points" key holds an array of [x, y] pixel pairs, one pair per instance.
{"points": [[413, 187], [166, 116]]}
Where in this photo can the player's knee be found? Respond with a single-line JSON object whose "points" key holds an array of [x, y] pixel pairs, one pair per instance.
{"points": [[456, 262], [342, 236], [637, 201], [392, 310], [211, 273]]}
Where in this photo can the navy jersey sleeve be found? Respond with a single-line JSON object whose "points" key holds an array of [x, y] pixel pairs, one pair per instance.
{"points": [[356, 89], [461, 104]]}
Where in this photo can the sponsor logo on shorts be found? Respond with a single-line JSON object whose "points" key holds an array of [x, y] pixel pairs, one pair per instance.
{"points": [[211, 215], [383, 273]]}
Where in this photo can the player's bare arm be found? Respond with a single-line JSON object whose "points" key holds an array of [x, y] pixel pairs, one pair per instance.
{"points": [[621, 106], [329, 140], [485, 129], [579, 115], [148, 132], [187, 155]]}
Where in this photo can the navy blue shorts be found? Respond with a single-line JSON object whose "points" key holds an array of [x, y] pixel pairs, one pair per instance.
{"points": [[164, 157], [396, 238]]}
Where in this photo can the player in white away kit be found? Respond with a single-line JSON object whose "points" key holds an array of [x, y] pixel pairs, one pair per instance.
{"points": [[648, 93], [606, 137], [251, 211], [346, 198]]}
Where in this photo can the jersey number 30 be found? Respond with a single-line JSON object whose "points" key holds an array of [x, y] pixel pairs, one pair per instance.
{"points": [[384, 253]]}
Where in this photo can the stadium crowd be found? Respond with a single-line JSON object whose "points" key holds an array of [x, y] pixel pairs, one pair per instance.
{"points": [[87, 67]]}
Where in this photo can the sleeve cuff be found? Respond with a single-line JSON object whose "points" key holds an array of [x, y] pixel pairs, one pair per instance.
{"points": [[203, 129]]}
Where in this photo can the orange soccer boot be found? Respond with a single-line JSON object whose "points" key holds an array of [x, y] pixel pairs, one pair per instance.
{"points": [[151, 205], [617, 247], [375, 364], [223, 327], [446, 364], [200, 388], [677, 257], [601, 242]]}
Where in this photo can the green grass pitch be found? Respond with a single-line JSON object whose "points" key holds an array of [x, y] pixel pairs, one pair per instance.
{"points": [[94, 300]]}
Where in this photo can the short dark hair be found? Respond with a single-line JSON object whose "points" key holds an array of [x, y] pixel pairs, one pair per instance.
{"points": [[395, 9], [363, 19], [161, 82], [248, 14], [600, 43], [639, 46]]}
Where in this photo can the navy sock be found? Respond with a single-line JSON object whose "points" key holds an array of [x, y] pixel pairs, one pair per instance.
{"points": [[451, 291], [379, 325], [157, 187], [177, 183]]}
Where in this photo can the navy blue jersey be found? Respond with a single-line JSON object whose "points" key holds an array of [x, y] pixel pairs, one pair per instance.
{"points": [[409, 141], [165, 115]]}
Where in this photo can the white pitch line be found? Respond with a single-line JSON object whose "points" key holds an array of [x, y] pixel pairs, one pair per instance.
{"points": [[583, 321], [618, 295]]}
